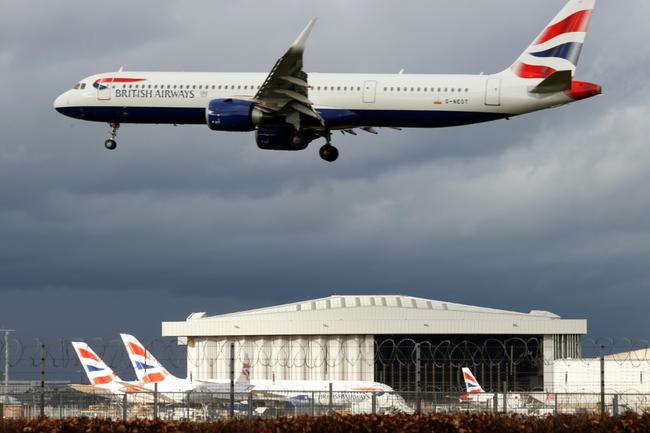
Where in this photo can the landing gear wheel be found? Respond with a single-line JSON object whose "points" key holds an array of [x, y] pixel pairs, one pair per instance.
{"points": [[329, 153], [110, 144]]}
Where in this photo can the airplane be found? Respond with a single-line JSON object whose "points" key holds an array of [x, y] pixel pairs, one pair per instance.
{"points": [[355, 393], [476, 394], [288, 108], [100, 375], [151, 375]]}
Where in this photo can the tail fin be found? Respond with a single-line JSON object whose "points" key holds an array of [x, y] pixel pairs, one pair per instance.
{"points": [[245, 375], [559, 45], [146, 366], [471, 383], [99, 374]]}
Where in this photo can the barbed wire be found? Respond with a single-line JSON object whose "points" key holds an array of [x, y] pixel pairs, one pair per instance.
{"points": [[25, 354]]}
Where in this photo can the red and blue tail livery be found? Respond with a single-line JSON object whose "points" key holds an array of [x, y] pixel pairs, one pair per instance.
{"points": [[559, 45], [471, 384], [146, 366], [288, 108]]}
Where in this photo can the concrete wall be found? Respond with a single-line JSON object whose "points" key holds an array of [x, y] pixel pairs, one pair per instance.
{"points": [[583, 376]]}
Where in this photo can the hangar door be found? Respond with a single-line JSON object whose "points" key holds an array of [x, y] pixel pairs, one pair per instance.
{"points": [[493, 92]]}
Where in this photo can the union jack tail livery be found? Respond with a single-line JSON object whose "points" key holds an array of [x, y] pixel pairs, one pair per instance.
{"points": [[471, 383], [146, 366], [245, 374], [558, 46], [99, 374]]}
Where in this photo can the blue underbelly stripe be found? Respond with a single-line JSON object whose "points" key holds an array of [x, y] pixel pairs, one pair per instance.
{"points": [[334, 118]]}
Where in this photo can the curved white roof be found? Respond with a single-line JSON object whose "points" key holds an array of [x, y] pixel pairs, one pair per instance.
{"points": [[373, 315]]}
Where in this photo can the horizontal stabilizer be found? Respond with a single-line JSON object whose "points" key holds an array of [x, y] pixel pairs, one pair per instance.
{"points": [[556, 82]]}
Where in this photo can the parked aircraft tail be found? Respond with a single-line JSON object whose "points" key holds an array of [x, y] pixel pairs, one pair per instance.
{"points": [[558, 46], [99, 374], [472, 385], [245, 374], [146, 366]]}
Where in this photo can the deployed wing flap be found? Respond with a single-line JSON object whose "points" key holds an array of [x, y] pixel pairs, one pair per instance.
{"points": [[294, 80], [295, 96], [286, 88]]}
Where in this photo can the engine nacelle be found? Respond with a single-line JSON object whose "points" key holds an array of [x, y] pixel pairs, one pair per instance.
{"points": [[283, 138], [230, 115]]}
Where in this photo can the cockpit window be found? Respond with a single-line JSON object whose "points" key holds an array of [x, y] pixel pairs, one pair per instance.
{"points": [[83, 86], [77, 86]]}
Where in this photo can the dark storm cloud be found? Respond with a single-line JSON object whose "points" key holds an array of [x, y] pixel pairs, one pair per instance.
{"points": [[544, 211]]}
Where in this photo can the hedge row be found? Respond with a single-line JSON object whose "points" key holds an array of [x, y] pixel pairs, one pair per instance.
{"points": [[456, 423]]}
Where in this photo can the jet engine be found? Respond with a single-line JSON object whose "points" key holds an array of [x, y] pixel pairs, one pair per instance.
{"points": [[233, 115]]}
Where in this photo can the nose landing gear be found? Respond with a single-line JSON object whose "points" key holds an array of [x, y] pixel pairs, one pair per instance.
{"points": [[110, 143]]}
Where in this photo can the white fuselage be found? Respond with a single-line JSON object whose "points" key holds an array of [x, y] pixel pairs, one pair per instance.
{"points": [[344, 100], [353, 395]]}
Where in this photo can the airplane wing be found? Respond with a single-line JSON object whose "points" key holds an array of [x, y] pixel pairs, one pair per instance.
{"points": [[285, 91], [90, 389], [131, 388]]}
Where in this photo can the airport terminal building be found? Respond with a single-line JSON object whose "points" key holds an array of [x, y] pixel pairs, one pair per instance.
{"points": [[382, 338]]}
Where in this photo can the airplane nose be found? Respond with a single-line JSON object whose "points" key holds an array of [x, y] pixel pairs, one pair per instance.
{"points": [[61, 101]]}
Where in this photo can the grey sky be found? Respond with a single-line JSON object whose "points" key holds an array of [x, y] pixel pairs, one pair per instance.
{"points": [[547, 211]]}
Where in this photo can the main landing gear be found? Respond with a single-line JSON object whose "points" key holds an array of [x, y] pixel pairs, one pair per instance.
{"points": [[328, 152], [110, 143]]}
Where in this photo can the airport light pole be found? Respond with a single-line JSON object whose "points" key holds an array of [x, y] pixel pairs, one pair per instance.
{"points": [[602, 380], [6, 378]]}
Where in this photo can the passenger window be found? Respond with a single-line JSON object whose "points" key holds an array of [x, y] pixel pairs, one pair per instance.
{"points": [[358, 89], [411, 89], [398, 89], [425, 89], [452, 90]]}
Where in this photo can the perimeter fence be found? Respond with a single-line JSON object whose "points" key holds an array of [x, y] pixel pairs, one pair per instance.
{"points": [[64, 402], [507, 364]]}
